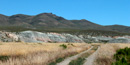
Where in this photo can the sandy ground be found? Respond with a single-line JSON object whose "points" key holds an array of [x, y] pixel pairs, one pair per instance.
{"points": [[91, 58], [69, 59]]}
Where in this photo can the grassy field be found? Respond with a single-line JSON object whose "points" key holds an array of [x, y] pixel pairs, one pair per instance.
{"points": [[37, 53], [44, 53]]}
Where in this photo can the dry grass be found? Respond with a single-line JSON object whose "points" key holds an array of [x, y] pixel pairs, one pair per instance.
{"points": [[106, 52], [37, 53]]}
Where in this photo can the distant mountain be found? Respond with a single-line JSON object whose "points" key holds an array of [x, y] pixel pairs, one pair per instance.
{"points": [[4, 20], [50, 21], [85, 24], [119, 28]]}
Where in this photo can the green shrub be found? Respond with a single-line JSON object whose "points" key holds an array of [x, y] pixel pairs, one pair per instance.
{"points": [[89, 42], [78, 61], [63, 46], [122, 57], [4, 58], [57, 61], [72, 44], [123, 61], [53, 63]]}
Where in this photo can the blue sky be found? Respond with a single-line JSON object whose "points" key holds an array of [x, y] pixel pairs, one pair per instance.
{"points": [[104, 12]]}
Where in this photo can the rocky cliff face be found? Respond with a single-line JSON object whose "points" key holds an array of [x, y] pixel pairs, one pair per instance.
{"points": [[32, 36], [8, 37], [39, 37]]}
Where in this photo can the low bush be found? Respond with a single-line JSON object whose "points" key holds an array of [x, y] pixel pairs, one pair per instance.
{"points": [[122, 57], [79, 61], [89, 42], [57, 61], [4, 58], [63, 46]]}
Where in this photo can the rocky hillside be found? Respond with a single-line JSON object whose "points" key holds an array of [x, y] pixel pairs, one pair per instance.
{"points": [[51, 21], [39, 37]]}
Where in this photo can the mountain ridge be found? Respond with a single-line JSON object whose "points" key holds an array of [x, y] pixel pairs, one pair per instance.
{"points": [[49, 20]]}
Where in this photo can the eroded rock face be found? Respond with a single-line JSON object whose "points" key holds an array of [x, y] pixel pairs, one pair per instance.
{"points": [[39, 37], [8, 37], [33, 36], [120, 40], [30, 36]]}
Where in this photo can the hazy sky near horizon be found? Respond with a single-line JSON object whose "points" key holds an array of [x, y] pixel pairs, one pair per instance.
{"points": [[104, 12]]}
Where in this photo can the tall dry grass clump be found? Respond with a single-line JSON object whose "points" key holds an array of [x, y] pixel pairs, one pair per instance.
{"points": [[37, 54]]}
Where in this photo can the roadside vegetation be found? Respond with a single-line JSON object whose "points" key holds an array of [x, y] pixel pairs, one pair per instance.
{"points": [[64, 46], [57, 61], [78, 61], [122, 57], [20, 53], [81, 59]]}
